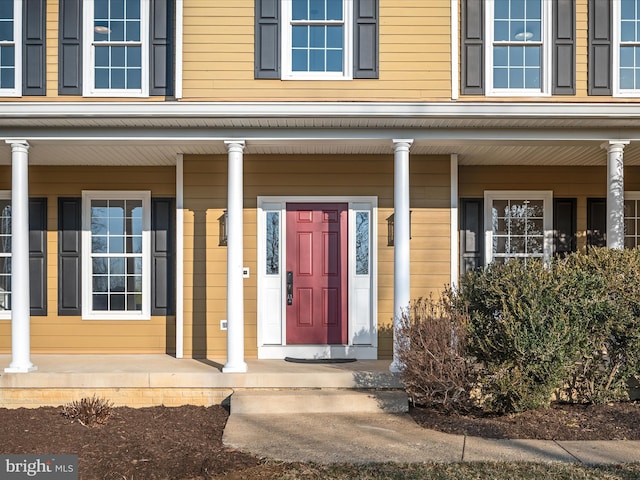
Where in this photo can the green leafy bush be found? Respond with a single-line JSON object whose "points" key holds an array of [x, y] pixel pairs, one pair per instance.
{"points": [[602, 290], [437, 370], [521, 333]]}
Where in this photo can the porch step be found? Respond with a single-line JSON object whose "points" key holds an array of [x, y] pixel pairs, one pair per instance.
{"points": [[253, 401]]}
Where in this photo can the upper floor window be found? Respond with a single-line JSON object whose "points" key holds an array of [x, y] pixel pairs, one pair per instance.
{"points": [[116, 49], [519, 48], [317, 39], [10, 47], [626, 34]]}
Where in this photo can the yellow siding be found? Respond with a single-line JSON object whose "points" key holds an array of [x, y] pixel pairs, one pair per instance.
{"points": [[565, 182], [414, 56], [309, 175], [70, 334]]}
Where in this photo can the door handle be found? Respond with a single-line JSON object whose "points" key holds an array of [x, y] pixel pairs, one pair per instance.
{"points": [[289, 288]]}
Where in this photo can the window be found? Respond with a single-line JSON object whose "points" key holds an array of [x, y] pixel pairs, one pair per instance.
{"points": [[518, 225], [117, 47], [317, 39], [5, 254], [626, 56], [518, 50], [10, 47], [116, 270], [632, 220]]}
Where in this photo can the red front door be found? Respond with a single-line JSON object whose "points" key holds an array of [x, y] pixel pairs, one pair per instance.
{"points": [[317, 273]]}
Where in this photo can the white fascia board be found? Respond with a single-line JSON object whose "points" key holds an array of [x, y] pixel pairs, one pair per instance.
{"points": [[69, 110]]}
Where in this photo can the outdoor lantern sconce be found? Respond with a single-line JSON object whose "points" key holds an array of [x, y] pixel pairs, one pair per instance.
{"points": [[222, 232], [391, 229]]}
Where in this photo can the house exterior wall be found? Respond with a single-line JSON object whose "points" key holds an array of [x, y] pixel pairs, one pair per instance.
{"points": [[72, 334], [309, 175]]}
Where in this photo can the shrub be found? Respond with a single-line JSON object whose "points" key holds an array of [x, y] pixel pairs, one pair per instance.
{"points": [[520, 332], [602, 288], [90, 412], [437, 370]]}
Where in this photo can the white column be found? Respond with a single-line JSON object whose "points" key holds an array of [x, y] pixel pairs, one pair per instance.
{"points": [[401, 256], [455, 236], [235, 247], [615, 193], [20, 298]]}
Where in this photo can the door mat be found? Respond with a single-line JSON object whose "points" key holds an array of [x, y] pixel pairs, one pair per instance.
{"points": [[319, 360]]}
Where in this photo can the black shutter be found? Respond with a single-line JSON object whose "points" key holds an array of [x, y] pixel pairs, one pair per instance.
{"points": [[69, 256], [564, 47], [163, 256], [600, 47], [365, 39], [596, 222], [472, 57], [267, 39], [564, 225], [34, 49], [70, 48], [471, 234], [38, 255], [161, 54]]}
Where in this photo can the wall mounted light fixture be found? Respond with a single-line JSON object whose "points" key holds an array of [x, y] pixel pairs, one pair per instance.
{"points": [[391, 229], [222, 229]]}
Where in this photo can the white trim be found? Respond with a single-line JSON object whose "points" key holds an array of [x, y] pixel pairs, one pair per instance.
{"points": [[278, 321], [455, 254], [455, 46], [178, 49], [16, 91], [616, 13], [545, 195], [87, 196], [88, 89], [545, 78], [5, 314], [180, 256], [347, 67]]}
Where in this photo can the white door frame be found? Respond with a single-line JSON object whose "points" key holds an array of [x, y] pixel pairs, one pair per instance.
{"points": [[362, 289]]}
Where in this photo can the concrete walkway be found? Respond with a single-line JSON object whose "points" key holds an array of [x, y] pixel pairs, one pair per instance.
{"points": [[378, 437]]}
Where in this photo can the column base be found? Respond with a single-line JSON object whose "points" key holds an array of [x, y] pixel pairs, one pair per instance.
{"points": [[20, 369], [395, 367], [239, 368]]}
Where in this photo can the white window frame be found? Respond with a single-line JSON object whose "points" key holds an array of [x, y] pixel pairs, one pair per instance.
{"points": [[545, 195], [6, 314], [635, 196], [616, 37], [88, 57], [362, 340], [545, 74], [16, 91], [287, 71], [87, 278]]}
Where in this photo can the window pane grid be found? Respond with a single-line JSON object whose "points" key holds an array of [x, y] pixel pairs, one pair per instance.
{"points": [[7, 46], [631, 223], [116, 250], [317, 36], [5, 255], [629, 68], [517, 44], [518, 229], [117, 45]]}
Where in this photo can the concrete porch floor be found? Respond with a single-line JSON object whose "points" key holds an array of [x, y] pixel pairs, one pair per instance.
{"points": [[146, 380]]}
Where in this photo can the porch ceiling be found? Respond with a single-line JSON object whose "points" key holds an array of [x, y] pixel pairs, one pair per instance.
{"points": [[153, 134]]}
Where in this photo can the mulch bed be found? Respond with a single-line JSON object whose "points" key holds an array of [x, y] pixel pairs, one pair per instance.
{"points": [[186, 442], [614, 421]]}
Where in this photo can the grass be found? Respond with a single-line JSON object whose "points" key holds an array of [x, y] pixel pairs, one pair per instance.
{"points": [[459, 471]]}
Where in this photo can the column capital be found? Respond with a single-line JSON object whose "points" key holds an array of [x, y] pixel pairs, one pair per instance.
{"points": [[402, 143], [235, 145], [17, 143], [612, 145]]}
